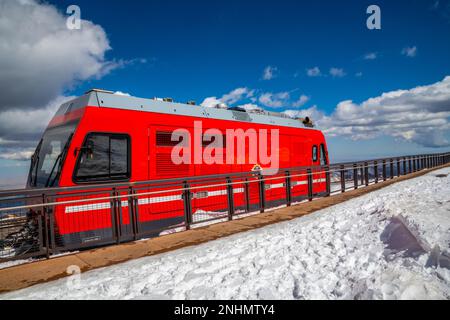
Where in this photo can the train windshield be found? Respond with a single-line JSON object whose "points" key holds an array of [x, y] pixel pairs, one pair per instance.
{"points": [[49, 156]]}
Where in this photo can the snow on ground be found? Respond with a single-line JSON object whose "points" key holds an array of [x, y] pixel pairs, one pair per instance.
{"points": [[335, 253]]}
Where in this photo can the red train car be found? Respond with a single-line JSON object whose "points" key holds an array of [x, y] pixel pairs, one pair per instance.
{"points": [[102, 137]]}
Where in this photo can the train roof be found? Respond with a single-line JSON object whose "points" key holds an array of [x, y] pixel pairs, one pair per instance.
{"points": [[108, 99]]}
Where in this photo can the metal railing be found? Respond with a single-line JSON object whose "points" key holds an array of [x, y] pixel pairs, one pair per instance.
{"points": [[42, 222]]}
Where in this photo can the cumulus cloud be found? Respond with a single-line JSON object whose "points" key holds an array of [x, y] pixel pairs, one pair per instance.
{"points": [[419, 115], [40, 56], [274, 100], [232, 97], [269, 72], [301, 101], [337, 72], [409, 51], [39, 59], [313, 72], [237, 95]]}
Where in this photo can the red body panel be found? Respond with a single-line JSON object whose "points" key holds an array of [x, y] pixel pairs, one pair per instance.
{"points": [[149, 162]]}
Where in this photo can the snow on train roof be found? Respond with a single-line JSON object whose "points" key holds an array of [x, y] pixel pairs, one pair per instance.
{"points": [[108, 99]]}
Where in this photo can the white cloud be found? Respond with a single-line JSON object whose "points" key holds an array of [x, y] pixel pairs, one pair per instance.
{"points": [[237, 95], [39, 59], [269, 72], [274, 100], [419, 115], [21, 128], [313, 113], [210, 102], [39, 56], [250, 107], [17, 155], [120, 93], [337, 72], [301, 101], [371, 56], [313, 72], [232, 97], [410, 51]]}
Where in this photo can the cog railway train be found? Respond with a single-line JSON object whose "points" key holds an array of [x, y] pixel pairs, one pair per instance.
{"points": [[102, 138]]}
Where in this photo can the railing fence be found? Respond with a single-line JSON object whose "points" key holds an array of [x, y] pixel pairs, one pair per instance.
{"points": [[39, 223]]}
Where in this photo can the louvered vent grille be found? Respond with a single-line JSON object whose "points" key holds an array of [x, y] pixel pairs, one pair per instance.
{"points": [[165, 167]]}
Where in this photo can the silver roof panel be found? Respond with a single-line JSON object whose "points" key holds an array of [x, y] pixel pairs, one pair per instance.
{"points": [[109, 100]]}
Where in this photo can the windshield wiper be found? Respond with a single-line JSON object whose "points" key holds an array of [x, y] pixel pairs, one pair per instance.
{"points": [[59, 161], [34, 163]]}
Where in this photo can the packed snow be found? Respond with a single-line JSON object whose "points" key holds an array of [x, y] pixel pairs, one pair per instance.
{"points": [[390, 244]]}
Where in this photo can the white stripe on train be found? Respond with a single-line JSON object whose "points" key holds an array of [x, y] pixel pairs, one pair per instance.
{"points": [[146, 201]]}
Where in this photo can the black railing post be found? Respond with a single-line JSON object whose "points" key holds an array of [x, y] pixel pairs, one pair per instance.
{"points": [[384, 171], [414, 160], [230, 197], [247, 195], [328, 181], [43, 214], [404, 165], [391, 168], [355, 176], [366, 173], [187, 197], [115, 227], [287, 184], [362, 174], [342, 178], [409, 165], [118, 205], [132, 208], [262, 193], [310, 184], [375, 170], [399, 173]]}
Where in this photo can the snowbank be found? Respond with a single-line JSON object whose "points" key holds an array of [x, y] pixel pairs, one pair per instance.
{"points": [[335, 253]]}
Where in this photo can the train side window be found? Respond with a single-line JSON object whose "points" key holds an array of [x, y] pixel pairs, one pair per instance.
{"points": [[104, 157], [323, 156], [314, 153]]}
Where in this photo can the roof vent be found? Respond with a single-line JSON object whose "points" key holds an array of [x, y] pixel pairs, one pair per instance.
{"points": [[191, 102], [237, 109], [168, 99], [307, 122], [221, 106]]}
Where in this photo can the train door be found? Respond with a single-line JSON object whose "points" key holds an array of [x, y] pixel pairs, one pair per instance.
{"points": [[160, 208], [300, 158], [319, 160]]}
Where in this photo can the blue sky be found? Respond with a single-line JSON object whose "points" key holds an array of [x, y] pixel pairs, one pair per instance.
{"points": [[191, 50], [202, 48]]}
